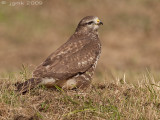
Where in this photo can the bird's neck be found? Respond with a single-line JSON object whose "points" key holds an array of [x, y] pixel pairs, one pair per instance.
{"points": [[86, 31]]}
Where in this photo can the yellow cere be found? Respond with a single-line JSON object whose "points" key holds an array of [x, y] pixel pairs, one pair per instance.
{"points": [[98, 20]]}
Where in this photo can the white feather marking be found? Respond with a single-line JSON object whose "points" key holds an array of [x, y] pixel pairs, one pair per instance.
{"points": [[79, 64], [47, 66], [48, 81], [91, 58], [86, 78], [70, 84], [83, 63], [61, 53], [90, 75]]}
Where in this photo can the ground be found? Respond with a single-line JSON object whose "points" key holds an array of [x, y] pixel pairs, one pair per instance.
{"points": [[117, 100]]}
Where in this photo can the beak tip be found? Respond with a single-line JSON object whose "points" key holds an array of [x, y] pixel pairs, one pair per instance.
{"points": [[101, 23]]}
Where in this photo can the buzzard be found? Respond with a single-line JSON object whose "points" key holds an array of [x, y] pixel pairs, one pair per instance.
{"points": [[72, 65]]}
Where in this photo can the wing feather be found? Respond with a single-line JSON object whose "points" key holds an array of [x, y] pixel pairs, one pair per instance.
{"points": [[70, 59]]}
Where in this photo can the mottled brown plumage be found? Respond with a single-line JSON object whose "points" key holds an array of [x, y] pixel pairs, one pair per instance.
{"points": [[73, 64]]}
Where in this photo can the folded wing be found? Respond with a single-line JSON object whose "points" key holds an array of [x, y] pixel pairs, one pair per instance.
{"points": [[70, 59]]}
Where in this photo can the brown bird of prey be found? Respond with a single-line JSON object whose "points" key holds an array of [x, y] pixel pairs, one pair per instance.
{"points": [[73, 64]]}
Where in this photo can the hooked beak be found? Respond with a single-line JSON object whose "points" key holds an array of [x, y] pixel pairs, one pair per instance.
{"points": [[100, 23]]}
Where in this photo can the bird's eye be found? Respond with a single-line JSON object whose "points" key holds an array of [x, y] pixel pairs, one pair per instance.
{"points": [[91, 22]]}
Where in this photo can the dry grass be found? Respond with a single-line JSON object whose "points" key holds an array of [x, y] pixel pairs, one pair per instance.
{"points": [[116, 100]]}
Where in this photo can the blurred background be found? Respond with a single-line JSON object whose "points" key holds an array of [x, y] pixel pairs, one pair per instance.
{"points": [[130, 35]]}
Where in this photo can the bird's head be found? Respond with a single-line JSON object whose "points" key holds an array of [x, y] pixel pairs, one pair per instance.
{"points": [[89, 23]]}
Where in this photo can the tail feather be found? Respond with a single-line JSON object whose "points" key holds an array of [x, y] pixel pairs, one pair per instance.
{"points": [[27, 85]]}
